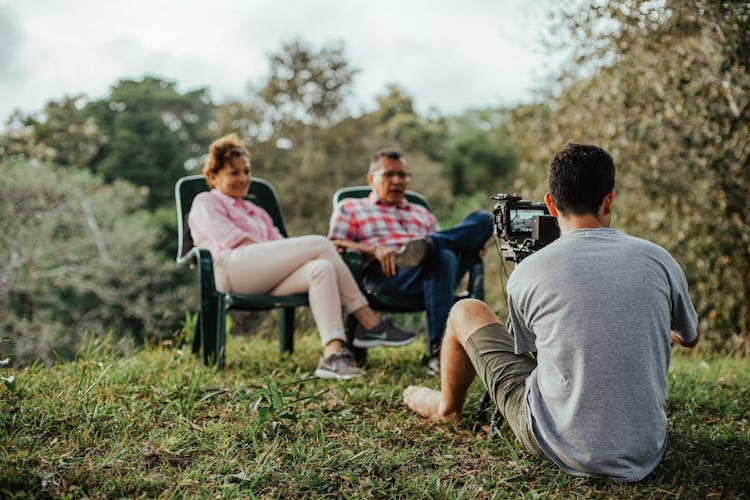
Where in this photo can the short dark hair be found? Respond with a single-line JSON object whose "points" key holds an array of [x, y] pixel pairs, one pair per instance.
{"points": [[580, 176], [391, 154]]}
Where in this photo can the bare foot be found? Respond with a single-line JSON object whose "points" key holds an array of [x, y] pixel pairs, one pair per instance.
{"points": [[426, 403]]}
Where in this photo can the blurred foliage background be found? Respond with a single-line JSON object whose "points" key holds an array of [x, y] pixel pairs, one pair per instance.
{"points": [[86, 195]]}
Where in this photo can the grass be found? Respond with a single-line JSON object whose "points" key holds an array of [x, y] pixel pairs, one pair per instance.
{"points": [[159, 424]]}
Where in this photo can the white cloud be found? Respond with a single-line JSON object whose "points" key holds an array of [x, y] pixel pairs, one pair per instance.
{"points": [[10, 46], [450, 54]]}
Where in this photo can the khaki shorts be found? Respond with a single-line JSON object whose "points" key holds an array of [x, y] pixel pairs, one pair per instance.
{"points": [[504, 374]]}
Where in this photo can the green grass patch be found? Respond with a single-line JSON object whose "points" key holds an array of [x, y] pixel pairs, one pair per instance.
{"points": [[160, 424]]}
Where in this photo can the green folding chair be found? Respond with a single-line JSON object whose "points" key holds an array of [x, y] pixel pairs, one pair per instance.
{"points": [[210, 337], [389, 303]]}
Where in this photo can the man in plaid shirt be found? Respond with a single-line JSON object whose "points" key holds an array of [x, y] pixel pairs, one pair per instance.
{"points": [[406, 252]]}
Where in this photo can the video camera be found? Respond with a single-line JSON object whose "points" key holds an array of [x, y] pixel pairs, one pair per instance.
{"points": [[524, 225]]}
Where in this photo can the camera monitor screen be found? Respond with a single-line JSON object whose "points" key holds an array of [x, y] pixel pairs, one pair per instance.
{"points": [[521, 220]]}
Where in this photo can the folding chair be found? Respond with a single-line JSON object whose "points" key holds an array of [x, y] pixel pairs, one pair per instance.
{"points": [[388, 303], [210, 336]]}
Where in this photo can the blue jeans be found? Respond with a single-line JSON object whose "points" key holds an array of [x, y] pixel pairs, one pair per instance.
{"points": [[454, 251]]}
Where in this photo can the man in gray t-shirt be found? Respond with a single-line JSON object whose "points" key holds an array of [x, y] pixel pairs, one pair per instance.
{"points": [[599, 308]]}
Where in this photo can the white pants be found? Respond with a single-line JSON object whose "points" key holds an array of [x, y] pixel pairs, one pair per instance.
{"points": [[294, 265]]}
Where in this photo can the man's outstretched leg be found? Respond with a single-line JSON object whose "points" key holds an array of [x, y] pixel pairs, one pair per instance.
{"points": [[457, 371]]}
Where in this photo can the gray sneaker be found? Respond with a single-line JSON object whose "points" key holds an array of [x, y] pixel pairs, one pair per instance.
{"points": [[339, 366], [413, 253], [384, 333]]}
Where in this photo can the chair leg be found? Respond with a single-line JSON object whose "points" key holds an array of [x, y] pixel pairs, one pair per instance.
{"points": [[476, 281], [360, 355], [286, 329], [197, 335], [213, 323], [208, 319], [221, 335]]}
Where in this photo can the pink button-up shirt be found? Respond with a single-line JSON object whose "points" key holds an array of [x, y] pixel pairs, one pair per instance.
{"points": [[219, 222]]}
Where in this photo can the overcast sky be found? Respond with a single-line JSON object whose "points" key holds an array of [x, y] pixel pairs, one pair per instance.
{"points": [[447, 54]]}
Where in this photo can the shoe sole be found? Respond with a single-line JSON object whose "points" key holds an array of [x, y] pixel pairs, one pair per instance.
{"points": [[320, 373], [381, 342], [412, 254]]}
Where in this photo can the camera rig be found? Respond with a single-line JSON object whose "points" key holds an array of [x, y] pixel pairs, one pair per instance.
{"points": [[525, 226]]}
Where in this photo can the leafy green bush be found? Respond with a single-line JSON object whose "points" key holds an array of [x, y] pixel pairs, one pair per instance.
{"points": [[81, 256], [665, 88]]}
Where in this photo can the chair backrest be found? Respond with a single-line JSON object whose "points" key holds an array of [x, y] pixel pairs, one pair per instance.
{"points": [[187, 188], [364, 191]]}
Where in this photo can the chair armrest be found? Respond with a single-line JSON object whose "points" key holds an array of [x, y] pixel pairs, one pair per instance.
{"points": [[353, 259], [189, 258], [202, 257], [206, 271]]}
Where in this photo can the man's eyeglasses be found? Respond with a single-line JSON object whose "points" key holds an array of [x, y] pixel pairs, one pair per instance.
{"points": [[394, 173]]}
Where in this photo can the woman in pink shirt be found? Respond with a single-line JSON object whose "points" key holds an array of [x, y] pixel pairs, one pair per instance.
{"points": [[251, 256]]}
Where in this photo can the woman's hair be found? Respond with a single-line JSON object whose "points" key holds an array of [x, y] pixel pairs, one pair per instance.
{"points": [[221, 151]]}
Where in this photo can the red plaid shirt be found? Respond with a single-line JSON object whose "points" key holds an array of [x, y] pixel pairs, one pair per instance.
{"points": [[370, 221]]}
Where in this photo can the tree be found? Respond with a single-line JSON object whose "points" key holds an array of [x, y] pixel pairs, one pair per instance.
{"points": [[667, 92], [61, 133], [149, 132], [287, 123], [243, 118], [79, 258], [308, 86], [397, 122], [479, 152]]}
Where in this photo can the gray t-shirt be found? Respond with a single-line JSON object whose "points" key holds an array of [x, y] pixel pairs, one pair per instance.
{"points": [[597, 306]]}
